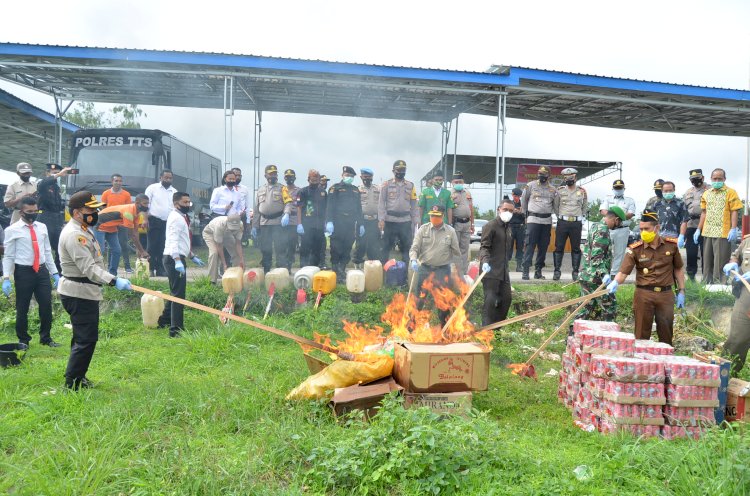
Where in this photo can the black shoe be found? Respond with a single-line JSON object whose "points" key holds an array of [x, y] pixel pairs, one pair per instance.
{"points": [[51, 343], [525, 275], [538, 275], [174, 334], [555, 275], [25, 342], [575, 276], [76, 384]]}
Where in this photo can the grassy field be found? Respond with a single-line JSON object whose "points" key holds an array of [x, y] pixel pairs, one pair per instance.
{"points": [[205, 414]]}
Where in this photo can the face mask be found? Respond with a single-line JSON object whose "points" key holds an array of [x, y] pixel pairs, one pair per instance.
{"points": [[543, 179], [273, 180], [668, 196], [506, 216], [717, 184], [313, 186], [458, 187], [184, 209], [658, 193], [697, 182], [91, 219], [142, 208], [30, 217], [400, 175], [570, 182], [436, 221], [290, 181], [618, 192], [437, 184], [367, 182], [348, 180], [25, 178], [648, 236], [166, 184], [230, 184]]}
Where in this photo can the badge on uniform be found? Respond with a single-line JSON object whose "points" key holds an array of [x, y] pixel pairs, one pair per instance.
{"points": [[82, 240], [667, 253], [645, 270]]}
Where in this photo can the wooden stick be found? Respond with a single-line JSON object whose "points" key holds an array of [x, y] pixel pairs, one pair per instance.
{"points": [[463, 302], [404, 319], [542, 311], [242, 320], [747, 284]]}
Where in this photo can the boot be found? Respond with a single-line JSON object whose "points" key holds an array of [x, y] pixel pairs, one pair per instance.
{"points": [[576, 265], [538, 274], [519, 265], [340, 270], [525, 275], [557, 259]]}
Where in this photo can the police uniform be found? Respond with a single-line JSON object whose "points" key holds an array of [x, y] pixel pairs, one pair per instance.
{"points": [[692, 199], [369, 244], [463, 222], [518, 230], [537, 202], [312, 216], [18, 190], [658, 196], [290, 231], [80, 288], [738, 342], [272, 201], [570, 208], [672, 214], [51, 206], [324, 185], [654, 297], [397, 209], [619, 237], [344, 210], [495, 245]]}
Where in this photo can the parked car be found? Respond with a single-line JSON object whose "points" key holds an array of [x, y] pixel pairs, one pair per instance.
{"points": [[476, 236]]}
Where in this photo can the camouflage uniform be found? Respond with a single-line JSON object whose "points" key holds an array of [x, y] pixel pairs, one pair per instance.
{"points": [[597, 260]]}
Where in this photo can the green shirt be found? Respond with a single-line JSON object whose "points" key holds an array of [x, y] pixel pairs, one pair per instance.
{"points": [[597, 257], [429, 199]]}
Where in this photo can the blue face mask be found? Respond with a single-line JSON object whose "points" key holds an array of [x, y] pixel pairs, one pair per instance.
{"points": [[618, 192], [458, 187], [348, 180], [717, 184], [668, 196]]}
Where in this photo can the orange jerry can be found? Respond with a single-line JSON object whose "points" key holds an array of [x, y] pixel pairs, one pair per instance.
{"points": [[324, 282]]}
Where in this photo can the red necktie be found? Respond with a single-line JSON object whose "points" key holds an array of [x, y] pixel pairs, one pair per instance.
{"points": [[35, 245]]}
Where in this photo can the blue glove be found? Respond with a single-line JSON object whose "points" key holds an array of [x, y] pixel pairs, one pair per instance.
{"points": [[681, 241], [329, 228], [745, 276], [55, 280], [606, 279], [253, 233], [300, 229], [612, 287], [486, 267], [122, 284], [285, 220], [696, 236], [732, 235], [197, 261], [179, 267], [680, 300], [731, 266], [361, 231], [7, 286], [414, 265]]}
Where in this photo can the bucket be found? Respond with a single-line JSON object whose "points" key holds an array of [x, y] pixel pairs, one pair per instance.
{"points": [[12, 354]]}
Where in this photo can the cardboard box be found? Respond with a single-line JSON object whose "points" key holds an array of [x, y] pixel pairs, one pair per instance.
{"points": [[738, 406], [724, 368], [441, 368], [360, 397], [441, 403]]}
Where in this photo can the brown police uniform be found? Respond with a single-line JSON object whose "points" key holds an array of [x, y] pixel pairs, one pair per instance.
{"points": [[655, 276]]}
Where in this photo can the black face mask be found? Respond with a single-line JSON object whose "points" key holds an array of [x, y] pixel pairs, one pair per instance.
{"points": [[543, 179], [230, 184], [142, 208], [400, 175], [29, 217], [314, 186], [366, 182], [697, 182], [273, 180], [183, 209], [91, 219], [570, 182], [290, 182], [25, 178], [166, 184], [658, 193]]}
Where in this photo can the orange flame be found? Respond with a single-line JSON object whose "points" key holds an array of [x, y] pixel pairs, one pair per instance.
{"points": [[522, 370]]}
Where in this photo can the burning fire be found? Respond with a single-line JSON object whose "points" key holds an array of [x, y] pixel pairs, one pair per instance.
{"points": [[407, 323]]}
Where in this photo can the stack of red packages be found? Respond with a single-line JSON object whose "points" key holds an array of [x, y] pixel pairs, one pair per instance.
{"points": [[653, 347], [626, 369], [689, 416], [608, 343], [692, 396], [619, 413]]}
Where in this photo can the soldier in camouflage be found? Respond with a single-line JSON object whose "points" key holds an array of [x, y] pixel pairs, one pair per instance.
{"points": [[597, 261]]}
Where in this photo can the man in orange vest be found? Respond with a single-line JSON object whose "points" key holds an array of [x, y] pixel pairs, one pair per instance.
{"points": [[111, 219]]}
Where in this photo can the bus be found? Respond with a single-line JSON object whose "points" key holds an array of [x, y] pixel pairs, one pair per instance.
{"points": [[140, 155]]}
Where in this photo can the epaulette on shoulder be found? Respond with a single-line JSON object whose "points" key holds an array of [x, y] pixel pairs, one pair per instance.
{"points": [[636, 244], [582, 188], [670, 239]]}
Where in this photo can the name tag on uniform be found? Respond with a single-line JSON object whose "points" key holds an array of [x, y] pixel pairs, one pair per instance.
{"points": [[644, 260]]}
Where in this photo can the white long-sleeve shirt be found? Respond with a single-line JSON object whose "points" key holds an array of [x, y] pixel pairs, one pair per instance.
{"points": [[222, 196], [246, 194], [19, 250], [160, 200], [177, 241]]}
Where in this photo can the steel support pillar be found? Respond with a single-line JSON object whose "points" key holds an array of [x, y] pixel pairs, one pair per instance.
{"points": [[228, 114], [500, 148], [257, 129], [59, 114], [455, 149]]}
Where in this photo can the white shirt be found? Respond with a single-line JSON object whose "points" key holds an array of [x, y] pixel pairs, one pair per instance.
{"points": [[624, 202], [245, 192], [177, 242], [160, 200], [19, 250], [222, 196]]}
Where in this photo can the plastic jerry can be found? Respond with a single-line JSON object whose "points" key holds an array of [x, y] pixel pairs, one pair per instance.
{"points": [[303, 278], [355, 281], [231, 281], [373, 275], [324, 282], [396, 274], [151, 309], [253, 277], [279, 277]]}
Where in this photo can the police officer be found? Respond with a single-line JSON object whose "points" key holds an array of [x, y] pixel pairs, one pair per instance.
{"points": [[619, 236], [435, 194], [343, 217], [369, 244], [493, 255], [659, 267], [324, 186], [658, 194], [537, 202], [672, 213], [311, 211], [273, 207], [398, 215], [463, 219], [692, 199], [570, 208], [738, 342], [51, 205], [80, 287], [290, 231], [517, 229], [18, 190]]}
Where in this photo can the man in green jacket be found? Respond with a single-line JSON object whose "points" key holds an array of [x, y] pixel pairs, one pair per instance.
{"points": [[436, 195]]}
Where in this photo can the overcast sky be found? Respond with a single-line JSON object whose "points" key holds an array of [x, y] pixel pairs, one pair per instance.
{"points": [[691, 42]]}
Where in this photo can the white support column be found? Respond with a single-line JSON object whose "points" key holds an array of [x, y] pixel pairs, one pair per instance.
{"points": [[455, 148], [257, 129], [59, 114], [504, 99], [228, 114]]}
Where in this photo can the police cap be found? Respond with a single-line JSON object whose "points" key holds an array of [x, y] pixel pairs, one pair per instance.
{"points": [[543, 170], [650, 215], [568, 171], [399, 164], [84, 199], [271, 169], [458, 175], [658, 183], [23, 167], [290, 172], [618, 184], [366, 171], [696, 173], [348, 170], [437, 210]]}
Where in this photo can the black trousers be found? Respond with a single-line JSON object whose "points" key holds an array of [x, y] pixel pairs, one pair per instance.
{"points": [[173, 312], [567, 230], [55, 221], [84, 317], [442, 278], [497, 299], [290, 242], [692, 251], [38, 284], [518, 233], [122, 234], [313, 243], [157, 232], [271, 240], [369, 244], [537, 236], [342, 241], [401, 232]]}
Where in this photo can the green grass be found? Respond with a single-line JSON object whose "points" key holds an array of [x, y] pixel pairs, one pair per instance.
{"points": [[205, 414]]}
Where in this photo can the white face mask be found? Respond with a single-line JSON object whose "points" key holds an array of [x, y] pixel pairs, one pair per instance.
{"points": [[506, 216]]}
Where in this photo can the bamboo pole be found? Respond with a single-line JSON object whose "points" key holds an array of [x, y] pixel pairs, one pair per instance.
{"points": [[463, 302]]}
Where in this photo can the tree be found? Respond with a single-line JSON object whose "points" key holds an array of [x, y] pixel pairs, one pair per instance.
{"points": [[85, 115], [594, 214]]}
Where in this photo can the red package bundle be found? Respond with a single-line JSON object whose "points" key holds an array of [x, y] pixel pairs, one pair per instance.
{"points": [[593, 325], [681, 395], [677, 431], [597, 386], [689, 416], [635, 393], [626, 369], [608, 343], [582, 360], [632, 414], [689, 371], [653, 347]]}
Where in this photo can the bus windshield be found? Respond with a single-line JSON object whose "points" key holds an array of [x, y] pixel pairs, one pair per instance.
{"points": [[105, 161]]}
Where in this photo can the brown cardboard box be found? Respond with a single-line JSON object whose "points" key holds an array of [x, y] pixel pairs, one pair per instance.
{"points": [[442, 403], [442, 368], [360, 397], [738, 406]]}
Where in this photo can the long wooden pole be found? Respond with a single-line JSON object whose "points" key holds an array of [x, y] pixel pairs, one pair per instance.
{"points": [[242, 320], [404, 319], [463, 302]]}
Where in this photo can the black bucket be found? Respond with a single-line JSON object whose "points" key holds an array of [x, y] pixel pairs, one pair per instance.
{"points": [[12, 354]]}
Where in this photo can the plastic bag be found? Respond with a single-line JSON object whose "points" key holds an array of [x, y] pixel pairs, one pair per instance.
{"points": [[342, 373], [141, 269]]}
